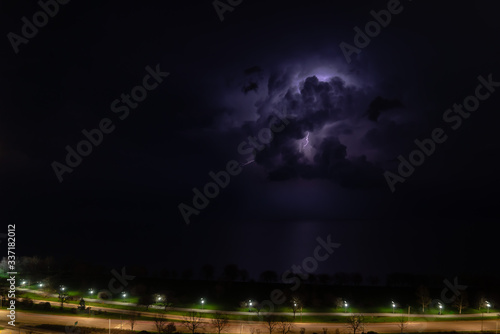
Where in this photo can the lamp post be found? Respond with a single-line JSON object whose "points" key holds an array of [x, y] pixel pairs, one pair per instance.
{"points": [[345, 306], [440, 308], [393, 306], [249, 305], [202, 302], [488, 305]]}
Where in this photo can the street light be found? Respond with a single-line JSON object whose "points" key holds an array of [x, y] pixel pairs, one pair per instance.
{"points": [[488, 305], [345, 306], [202, 302], [393, 306], [91, 291], [124, 294], [440, 307], [40, 285], [249, 305]]}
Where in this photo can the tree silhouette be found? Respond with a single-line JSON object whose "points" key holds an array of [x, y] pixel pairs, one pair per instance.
{"points": [[220, 322], [208, 272], [423, 297]]}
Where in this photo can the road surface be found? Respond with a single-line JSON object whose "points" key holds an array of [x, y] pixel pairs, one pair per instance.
{"points": [[32, 319]]}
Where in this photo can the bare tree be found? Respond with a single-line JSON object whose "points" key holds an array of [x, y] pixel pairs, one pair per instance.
{"points": [[193, 321], [208, 272], [461, 302], [402, 322], [271, 323], [132, 320], [220, 322], [355, 322], [257, 306], [161, 325], [423, 297], [481, 302], [284, 325]]}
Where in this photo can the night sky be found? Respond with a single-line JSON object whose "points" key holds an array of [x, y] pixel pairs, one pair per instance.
{"points": [[340, 123]]}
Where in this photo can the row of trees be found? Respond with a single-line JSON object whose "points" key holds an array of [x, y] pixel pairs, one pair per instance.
{"points": [[39, 267], [459, 300], [274, 324], [233, 273]]}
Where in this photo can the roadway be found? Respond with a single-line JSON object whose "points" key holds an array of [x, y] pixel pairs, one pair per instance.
{"points": [[24, 319]]}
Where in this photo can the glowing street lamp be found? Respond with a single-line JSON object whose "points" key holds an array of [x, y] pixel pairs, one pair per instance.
{"points": [[202, 302], [488, 305], [440, 307], [393, 306], [91, 291], [345, 306], [249, 305], [124, 294], [23, 282], [40, 285]]}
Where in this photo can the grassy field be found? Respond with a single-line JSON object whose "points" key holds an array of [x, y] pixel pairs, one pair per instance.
{"points": [[278, 309]]}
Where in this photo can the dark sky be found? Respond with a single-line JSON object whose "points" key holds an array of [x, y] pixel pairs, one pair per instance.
{"points": [[322, 174]]}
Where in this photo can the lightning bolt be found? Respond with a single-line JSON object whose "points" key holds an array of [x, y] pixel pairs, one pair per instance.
{"points": [[247, 163], [306, 141]]}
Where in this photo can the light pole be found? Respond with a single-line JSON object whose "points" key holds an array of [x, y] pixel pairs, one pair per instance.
{"points": [[393, 306], [440, 308], [345, 306], [249, 305], [202, 302], [124, 294], [91, 292], [488, 305]]}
